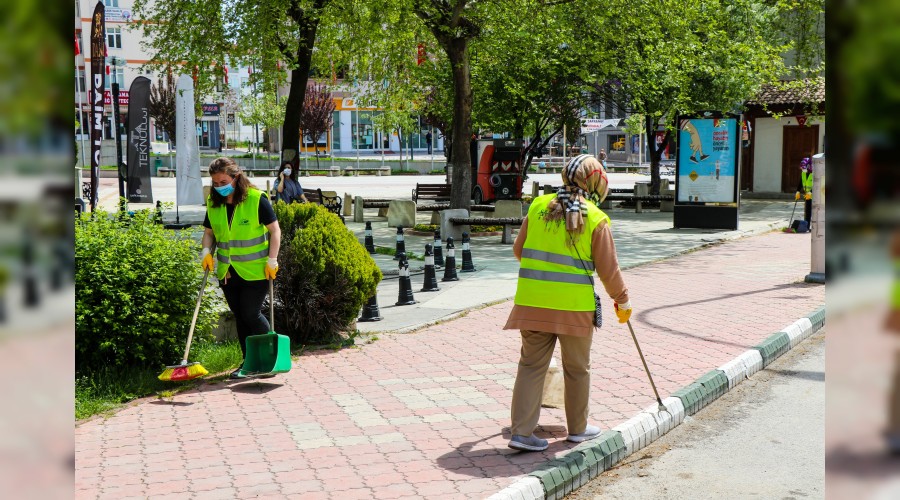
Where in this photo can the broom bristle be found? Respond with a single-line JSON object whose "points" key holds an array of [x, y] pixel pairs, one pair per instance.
{"points": [[181, 373]]}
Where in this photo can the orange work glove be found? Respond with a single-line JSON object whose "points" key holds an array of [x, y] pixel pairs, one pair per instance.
{"points": [[808, 196], [206, 260], [271, 268], [797, 196], [623, 311]]}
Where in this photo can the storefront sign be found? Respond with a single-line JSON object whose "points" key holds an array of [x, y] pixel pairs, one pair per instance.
{"points": [[210, 109], [123, 97]]}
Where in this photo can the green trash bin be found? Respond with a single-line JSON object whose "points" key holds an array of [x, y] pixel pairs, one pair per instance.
{"points": [[155, 166]]}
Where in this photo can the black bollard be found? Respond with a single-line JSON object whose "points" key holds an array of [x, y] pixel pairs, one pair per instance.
{"points": [[370, 311], [401, 245], [467, 266], [438, 249], [450, 263], [370, 242], [405, 296], [430, 284], [29, 274]]}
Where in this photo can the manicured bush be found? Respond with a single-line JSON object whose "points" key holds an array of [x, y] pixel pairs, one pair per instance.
{"points": [[136, 288], [325, 275]]}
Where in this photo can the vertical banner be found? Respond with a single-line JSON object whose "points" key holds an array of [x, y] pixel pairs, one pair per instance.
{"points": [[189, 186], [139, 190], [98, 58]]}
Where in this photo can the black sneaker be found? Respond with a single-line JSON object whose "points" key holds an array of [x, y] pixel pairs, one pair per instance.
{"points": [[237, 374]]}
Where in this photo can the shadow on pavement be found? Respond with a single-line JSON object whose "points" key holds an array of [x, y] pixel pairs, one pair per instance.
{"points": [[868, 464]]}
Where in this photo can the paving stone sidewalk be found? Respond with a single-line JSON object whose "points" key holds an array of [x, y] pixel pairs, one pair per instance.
{"points": [[426, 414]]}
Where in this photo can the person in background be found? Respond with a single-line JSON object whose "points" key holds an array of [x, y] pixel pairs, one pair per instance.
{"points": [[564, 239], [805, 186], [287, 187], [241, 223], [601, 156], [428, 141]]}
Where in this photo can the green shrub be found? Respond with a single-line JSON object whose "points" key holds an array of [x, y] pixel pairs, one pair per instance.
{"points": [[325, 275], [136, 289]]}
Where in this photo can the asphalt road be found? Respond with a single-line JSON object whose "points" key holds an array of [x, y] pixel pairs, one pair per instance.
{"points": [[764, 439]]}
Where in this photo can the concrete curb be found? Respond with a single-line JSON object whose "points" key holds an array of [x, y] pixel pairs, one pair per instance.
{"points": [[561, 476]]}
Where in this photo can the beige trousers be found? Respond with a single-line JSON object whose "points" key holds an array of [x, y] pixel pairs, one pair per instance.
{"points": [[537, 349]]}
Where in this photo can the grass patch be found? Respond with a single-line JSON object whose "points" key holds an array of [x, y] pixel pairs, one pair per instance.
{"points": [[392, 251], [106, 390]]}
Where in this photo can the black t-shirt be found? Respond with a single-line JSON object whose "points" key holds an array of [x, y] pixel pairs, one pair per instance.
{"points": [[266, 213]]}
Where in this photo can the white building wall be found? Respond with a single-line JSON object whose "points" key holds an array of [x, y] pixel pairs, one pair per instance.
{"points": [[767, 151]]}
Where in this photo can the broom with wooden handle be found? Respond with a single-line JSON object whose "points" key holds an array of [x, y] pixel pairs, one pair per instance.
{"points": [[184, 370]]}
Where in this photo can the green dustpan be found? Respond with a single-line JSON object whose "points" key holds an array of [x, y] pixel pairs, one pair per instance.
{"points": [[270, 353]]}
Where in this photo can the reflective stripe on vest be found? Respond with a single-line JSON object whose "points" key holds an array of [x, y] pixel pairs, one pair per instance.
{"points": [[243, 245], [553, 275]]}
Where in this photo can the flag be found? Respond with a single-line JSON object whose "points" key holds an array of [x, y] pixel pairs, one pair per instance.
{"points": [[139, 141], [188, 186], [77, 45], [98, 47], [226, 74]]}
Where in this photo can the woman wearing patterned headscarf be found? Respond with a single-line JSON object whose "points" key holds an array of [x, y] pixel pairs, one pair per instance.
{"points": [[563, 241]]}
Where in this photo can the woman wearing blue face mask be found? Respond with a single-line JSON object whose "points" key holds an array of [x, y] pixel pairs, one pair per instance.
{"points": [[242, 224], [287, 187]]}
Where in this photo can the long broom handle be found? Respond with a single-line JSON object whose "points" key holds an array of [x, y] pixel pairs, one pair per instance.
{"points": [[658, 399], [272, 304], [187, 347]]}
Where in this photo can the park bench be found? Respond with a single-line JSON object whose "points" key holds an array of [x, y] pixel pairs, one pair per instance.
{"points": [[328, 199], [507, 223], [377, 170], [616, 194], [436, 192]]}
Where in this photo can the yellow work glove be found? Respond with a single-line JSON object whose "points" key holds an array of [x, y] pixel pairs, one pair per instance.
{"points": [[807, 196], [271, 268], [623, 311], [206, 260], [797, 196]]}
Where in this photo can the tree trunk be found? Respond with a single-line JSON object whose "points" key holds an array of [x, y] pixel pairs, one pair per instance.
{"points": [[290, 132], [461, 131], [655, 153]]}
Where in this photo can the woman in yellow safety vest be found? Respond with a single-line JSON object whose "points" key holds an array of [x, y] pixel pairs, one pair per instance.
{"points": [[563, 241], [241, 223], [806, 187]]}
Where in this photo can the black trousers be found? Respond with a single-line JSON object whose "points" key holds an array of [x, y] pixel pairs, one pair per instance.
{"points": [[807, 210], [245, 299]]}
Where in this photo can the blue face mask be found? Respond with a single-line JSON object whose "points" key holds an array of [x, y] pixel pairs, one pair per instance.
{"points": [[226, 189]]}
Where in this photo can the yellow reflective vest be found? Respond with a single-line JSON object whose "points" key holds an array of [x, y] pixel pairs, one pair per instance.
{"points": [[807, 181], [554, 274], [895, 300], [243, 244]]}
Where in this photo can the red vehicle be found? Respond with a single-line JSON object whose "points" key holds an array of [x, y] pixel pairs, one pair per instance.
{"points": [[498, 173]]}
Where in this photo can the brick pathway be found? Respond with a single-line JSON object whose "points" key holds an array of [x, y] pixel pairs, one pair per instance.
{"points": [[426, 415]]}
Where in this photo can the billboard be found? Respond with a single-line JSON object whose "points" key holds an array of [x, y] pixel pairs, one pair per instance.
{"points": [[707, 160]]}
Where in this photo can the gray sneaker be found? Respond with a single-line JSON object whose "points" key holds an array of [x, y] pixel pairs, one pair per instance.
{"points": [[590, 432], [529, 443]]}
